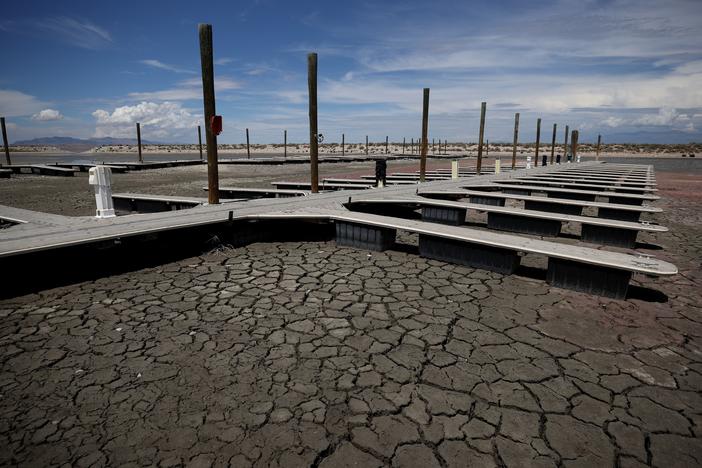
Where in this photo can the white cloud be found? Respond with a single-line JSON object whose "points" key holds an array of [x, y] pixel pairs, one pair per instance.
{"points": [[223, 61], [164, 120], [164, 66], [185, 90], [15, 103], [80, 33], [47, 115]]}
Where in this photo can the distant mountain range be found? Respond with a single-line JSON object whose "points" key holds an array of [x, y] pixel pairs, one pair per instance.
{"points": [[79, 144]]}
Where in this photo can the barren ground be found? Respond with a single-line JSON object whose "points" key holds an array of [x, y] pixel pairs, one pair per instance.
{"points": [[290, 354]]}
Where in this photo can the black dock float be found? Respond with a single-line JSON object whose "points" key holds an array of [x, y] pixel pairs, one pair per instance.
{"points": [[516, 191], [494, 201], [608, 235], [591, 279], [553, 207], [485, 257], [366, 237], [621, 215], [626, 200], [523, 224], [571, 196], [444, 215]]}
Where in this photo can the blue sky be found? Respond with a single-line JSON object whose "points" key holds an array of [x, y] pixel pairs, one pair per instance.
{"points": [[630, 70]]}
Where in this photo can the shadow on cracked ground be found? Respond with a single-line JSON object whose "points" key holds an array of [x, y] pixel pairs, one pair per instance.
{"points": [[299, 354]]}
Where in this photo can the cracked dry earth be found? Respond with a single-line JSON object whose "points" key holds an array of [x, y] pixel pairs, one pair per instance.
{"points": [[308, 354]]}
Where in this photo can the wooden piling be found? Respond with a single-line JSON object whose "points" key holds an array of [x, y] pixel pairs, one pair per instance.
{"points": [[366, 144], [208, 94], [597, 151], [516, 138], [425, 131], [574, 144], [141, 159], [314, 142], [565, 145], [285, 144], [248, 149], [343, 150], [479, 164], [5, 143], [433, 149], [199, 141], [487, 148], [553, 144], [386, 144], [538, 140], [403, 145], [412, 146]]}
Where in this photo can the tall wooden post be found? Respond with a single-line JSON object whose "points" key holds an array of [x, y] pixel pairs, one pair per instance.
{"points": [[386, 144], [597, 151], [574, 145], [141, 159], [516, 138], [366, 144], [343, 150], [5, 143], [479, 164], [446, 147], [248, 149], [208, 94], [433, 149], [538, 140], [199, 140], [412, 146], [553, 143], [565, 145], [314, 142], [487, 148], [285, 144], [403, 145], [425, 131]]}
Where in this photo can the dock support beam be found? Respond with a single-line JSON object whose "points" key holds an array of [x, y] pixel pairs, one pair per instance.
{"points": [[479, 164], [138, 126], [314, 142], [591, 279], [516, 137], [5, 143], [463, 253], [425, 131], [208, 93]]}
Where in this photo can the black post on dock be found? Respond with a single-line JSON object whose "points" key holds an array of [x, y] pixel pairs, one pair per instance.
{"points": [[208, 94], [479, 164], [446, 147], [433, 149], [248, 149], [574, 144], [597, 150], [366, 144], [412, 146], [516, 138], [565, 145], [141, 159], [386, 145], [403, 145], [425, 132], [553, 143], [538, 138], [487, 148], [5, 143], [285, 144], [314, 142], [343, 144], [199, 140]]}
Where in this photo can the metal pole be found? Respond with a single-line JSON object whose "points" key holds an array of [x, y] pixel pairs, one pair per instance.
{"points": [[208, 94], [516, 137], [538, 138], [599, 141], [314, 148], [425, 131], [199, 140], [248, 149], [5, 143], [553, 143], [483, 108], [141, 159]]}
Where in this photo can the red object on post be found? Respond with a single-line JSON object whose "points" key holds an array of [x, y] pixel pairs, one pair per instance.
{"points": [[216, 124]]}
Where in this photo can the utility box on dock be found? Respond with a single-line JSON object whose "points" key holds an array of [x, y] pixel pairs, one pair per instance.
{"points": [[100, 177]]}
